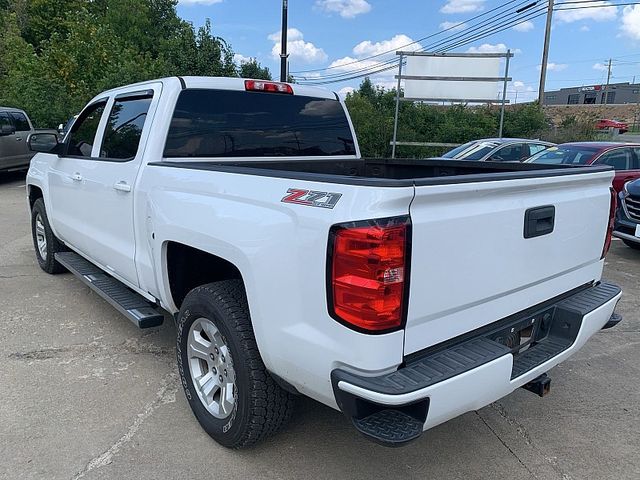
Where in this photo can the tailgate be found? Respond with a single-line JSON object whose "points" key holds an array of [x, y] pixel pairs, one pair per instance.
{"points": [[471, 264]]}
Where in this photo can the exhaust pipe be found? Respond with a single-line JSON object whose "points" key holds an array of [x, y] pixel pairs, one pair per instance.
{"points": [[540, 385]]}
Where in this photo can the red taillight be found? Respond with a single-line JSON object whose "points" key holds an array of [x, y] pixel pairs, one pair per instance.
{"points": [[262, 86], [368, 273], [612, 217]]}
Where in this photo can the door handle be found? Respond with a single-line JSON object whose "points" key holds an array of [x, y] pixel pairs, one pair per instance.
{"points": [[122, 187], [76, 177], [18, 139]]}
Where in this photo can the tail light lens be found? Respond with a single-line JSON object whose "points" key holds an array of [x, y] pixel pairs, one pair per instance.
{"points": [[262, 86], [368, 274], [612, 218]]}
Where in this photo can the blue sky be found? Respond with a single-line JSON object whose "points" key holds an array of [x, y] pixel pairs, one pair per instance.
{"points": [[338, 33]]}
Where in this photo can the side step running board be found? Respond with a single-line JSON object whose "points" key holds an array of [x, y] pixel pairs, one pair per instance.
{"points": [[132, 305]]}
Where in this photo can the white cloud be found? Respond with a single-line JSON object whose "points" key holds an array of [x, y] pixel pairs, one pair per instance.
{"points": [[599, 11], [198, 2], [398, 42], [453, 26], [584, 28], [240, 59], [298, 49], [344, 8], [489, 48], [518, 85], [600, 66], [631, 21], [462, 6], [344, 91], [524, 26], [554, 67]]}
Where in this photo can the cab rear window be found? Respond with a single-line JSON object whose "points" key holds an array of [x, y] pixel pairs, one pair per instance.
{"points": [[223, 123]]}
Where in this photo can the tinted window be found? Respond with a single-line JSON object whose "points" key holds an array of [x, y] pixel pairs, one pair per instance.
{"points": [[216, 123], [569, 155], [619, 159], [124, 128], [20, 121], [83, 132], [4, 119], [510, 153]]}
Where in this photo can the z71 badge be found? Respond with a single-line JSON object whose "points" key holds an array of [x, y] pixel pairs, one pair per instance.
{"points": [[311, 198]]}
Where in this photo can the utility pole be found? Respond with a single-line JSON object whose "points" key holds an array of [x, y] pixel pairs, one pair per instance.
{"points": [[283, 41], [606, 87], [545, 54]]}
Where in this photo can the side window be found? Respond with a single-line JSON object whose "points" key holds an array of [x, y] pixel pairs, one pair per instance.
{"points": [[619, 159], [80, 139], [535, 148], [5, 120], [636, 160], [509, 153], [124, 128], [20, 121]]}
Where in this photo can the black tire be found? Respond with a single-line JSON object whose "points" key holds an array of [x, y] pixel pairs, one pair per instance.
{"points": [[53, 245], [634, 245], [261, 407]]}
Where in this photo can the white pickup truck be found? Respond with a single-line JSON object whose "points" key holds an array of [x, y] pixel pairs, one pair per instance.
{"points": [[403, 293]]}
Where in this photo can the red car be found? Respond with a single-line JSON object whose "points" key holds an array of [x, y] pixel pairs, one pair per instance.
{"points": [[624, 157], [605, 123]]}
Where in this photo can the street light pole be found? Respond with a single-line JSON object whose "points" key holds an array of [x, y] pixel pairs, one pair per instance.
{"points": [[283, 42], [545, 54]]}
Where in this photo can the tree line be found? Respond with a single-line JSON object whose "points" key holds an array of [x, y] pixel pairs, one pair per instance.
{"points": [[372, 110], [57, 54]]}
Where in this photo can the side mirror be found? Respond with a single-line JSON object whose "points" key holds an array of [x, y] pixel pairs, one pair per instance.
{"points": [[7, 130], [44, 142]]}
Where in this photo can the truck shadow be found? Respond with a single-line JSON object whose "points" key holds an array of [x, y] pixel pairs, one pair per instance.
{"points": [[12, 177]]}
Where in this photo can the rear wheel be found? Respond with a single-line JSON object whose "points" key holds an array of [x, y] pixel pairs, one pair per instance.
{"points": [[44, 241], [634, 245], [225, 381]]}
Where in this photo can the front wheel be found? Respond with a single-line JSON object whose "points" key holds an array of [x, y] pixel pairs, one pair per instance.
{"points": [[225, 381], [44, 241]]}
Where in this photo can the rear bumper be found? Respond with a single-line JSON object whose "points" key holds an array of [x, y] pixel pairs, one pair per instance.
{"points": [[471, 372]]}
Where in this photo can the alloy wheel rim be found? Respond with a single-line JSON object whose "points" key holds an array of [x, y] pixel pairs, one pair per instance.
{"points": [[211, 367], [41, 238]]}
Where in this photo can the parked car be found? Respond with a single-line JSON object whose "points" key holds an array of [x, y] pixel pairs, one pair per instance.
{"points": [[605, 124], [291, 265], [623, 157], [498, 149], [627, 223], [15, 128]]}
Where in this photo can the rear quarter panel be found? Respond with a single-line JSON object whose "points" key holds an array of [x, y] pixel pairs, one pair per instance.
{"points": [[280, 250]]}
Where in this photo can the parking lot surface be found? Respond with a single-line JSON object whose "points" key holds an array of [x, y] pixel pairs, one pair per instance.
{"points": [[85, 394]]}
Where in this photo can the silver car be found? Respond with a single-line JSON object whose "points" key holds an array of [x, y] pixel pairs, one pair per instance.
{"points": [[498, 150]]}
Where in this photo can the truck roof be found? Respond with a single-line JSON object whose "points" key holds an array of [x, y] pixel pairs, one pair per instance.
{"points": [[222, 83]]}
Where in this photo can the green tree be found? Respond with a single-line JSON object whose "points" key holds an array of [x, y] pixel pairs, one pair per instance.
{"points": [[253, 69]]}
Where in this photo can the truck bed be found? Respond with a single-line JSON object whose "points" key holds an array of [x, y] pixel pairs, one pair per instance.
{"points": [[386, 172]]}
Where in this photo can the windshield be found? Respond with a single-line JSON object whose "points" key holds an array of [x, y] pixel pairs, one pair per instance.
{"points": [[471, 151], [567, 155]]}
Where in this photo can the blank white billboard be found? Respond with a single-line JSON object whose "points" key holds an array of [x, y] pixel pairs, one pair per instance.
{"points": [[437, 66]]}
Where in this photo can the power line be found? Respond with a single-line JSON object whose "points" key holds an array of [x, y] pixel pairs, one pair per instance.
{"points": [[478, 31], [391, 63]]}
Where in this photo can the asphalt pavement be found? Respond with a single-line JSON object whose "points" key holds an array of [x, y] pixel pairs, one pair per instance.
{"points": [[85, 394]]}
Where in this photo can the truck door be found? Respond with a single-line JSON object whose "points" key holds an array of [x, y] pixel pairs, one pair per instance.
{"points": [[96, 183]]}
